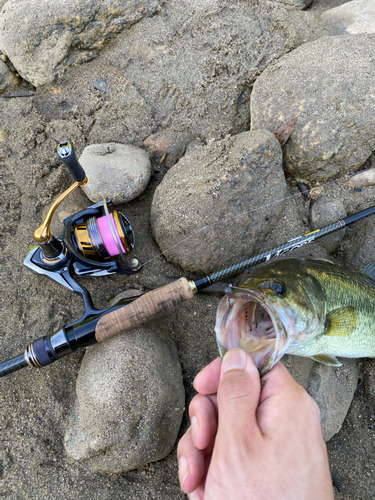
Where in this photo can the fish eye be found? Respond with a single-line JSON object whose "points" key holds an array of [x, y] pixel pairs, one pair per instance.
{"points": [[278, 287]]}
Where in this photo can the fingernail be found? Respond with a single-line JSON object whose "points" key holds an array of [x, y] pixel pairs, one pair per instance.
{"points": [[194, 427], [234, 359], [183, 471]]}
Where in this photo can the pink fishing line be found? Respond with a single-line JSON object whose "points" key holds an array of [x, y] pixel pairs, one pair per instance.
{"points": [[107, 237]]}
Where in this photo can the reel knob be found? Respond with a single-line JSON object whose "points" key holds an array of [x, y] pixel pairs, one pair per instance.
{"points": [[67, 155]]}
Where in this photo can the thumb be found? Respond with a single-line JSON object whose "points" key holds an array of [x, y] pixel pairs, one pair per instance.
{"points": [[238, 395]]}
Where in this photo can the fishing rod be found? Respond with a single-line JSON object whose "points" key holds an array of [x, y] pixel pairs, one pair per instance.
{"points": [[97, 326]]}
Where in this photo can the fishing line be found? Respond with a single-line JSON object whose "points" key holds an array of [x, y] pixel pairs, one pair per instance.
{"points": [[223, 221]]}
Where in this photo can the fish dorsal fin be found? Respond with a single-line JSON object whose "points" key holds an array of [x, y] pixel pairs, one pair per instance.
{"points": [[341, 322], [326, 360], [369, 269]]}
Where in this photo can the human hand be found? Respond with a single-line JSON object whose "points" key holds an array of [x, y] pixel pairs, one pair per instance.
{"points": [[251, 444]]}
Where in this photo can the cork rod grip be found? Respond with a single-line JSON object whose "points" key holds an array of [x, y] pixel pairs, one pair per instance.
{"points": [[147, 307]]}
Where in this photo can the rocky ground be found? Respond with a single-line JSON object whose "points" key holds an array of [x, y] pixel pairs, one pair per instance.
{"points": [[201, 87]]}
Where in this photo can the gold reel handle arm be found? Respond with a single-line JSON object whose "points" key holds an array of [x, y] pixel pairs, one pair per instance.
{"points": [[42, 234], [67, 155]]}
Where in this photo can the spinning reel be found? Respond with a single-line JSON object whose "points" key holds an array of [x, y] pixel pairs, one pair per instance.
{"points": [[95, 242]]}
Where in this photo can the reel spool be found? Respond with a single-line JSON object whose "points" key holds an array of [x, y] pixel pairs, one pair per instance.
{"points": [[100, 238]]}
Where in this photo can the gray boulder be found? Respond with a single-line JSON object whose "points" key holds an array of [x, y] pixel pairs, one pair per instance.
{"points": [[118, 171], [323, 212], [332, 388], [130, 402], [195, 65], [352, 18], [42, 38], [126, 118], [360, 246], [327, 82], [209, 201]]}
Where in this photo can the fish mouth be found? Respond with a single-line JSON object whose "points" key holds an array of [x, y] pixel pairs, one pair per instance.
{"points": [[250, 321]]}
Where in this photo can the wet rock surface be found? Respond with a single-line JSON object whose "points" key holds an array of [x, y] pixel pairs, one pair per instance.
{"points": [[188, 71], [120, 172], [334, 131], [130, 402], [225, 180]]}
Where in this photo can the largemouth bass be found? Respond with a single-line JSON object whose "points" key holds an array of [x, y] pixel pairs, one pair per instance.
{"points": [[310, 308]]}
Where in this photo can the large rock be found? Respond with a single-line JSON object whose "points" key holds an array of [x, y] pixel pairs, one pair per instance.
{"points": [[360, 245], [130, 401], [327, 82], [42, 38], [332, 388], [218, 188], [196, 63], [353, 17], [326, 211], [125, 119], [118, 171]]}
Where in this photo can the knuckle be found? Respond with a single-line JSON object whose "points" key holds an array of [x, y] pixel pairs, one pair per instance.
{"points": [[234, 392]]}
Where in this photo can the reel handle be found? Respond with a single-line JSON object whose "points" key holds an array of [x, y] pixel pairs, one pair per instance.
{"points": [[145, 308], [68, 156]]}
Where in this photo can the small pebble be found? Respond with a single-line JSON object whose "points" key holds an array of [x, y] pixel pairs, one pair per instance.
{"points": [[366, 178], [101, 84]]}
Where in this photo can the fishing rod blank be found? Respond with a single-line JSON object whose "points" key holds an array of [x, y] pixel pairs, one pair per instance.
{"points": [[165, 299], [123, 317]]}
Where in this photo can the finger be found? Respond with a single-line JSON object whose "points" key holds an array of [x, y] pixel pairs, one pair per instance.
{"points": [[277, 381], [191, 463], [203, 416], [207, 380], [238, 396], [199, 493]]}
